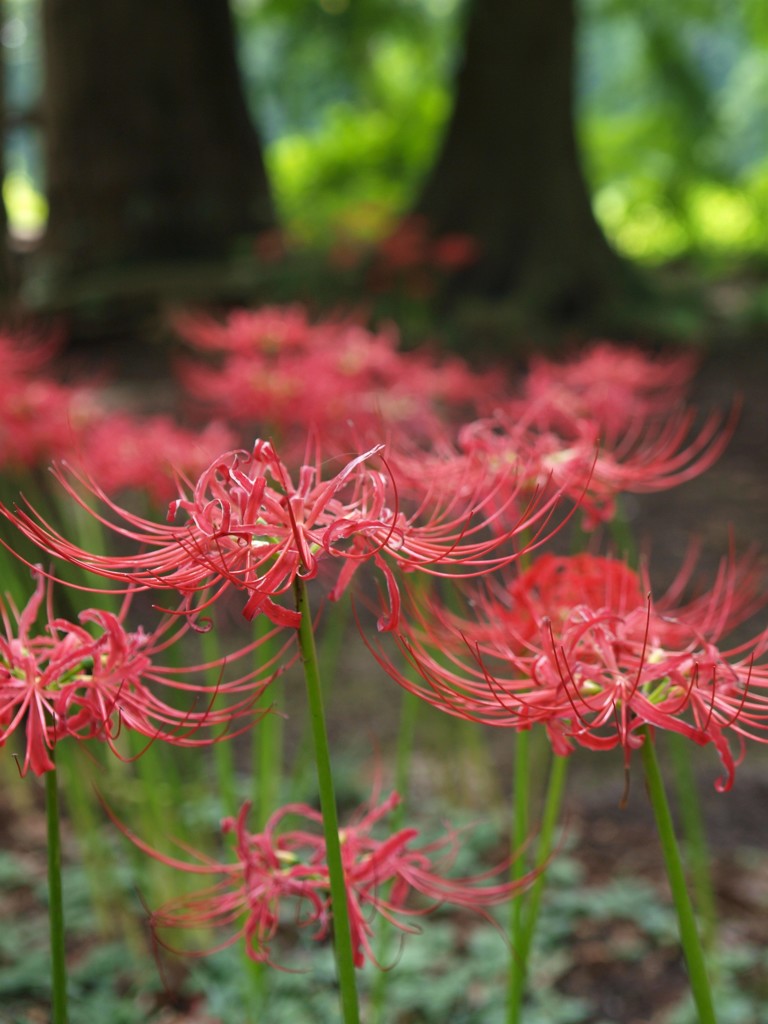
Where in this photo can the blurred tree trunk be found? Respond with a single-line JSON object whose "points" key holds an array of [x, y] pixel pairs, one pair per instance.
{"points": [[509, 172], [151, 155], [5, 256]]}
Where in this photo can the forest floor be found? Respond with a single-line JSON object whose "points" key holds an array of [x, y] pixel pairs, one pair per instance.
{"points": [[609, 953]]}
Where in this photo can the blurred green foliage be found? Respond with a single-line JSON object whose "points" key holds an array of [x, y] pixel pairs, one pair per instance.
{"points": [[352, 126], [351, 97], [672, 120], [671, 115]]}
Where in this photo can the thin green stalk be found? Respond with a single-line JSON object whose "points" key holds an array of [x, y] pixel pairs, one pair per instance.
{"points": [[267, 760], [409, 713], [90, 533], [526, 908], [520, 824], [623, 537], [269, 764], [255, 988], [689, 935], [694, 838], [98, 859], [266, 745], [550, 818], [342, 936], [226, 778], [477, 780], [330, 646], [55, 902], [223, 752], [409, 708]]}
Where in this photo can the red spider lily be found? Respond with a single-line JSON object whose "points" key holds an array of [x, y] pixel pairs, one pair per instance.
{"points": [[92, 678], [40, 419], [269, 329], [470, 519], [281, 866], [609, 421], [24, 353], [39, 416], [554, 585], [416, 260], [609, 385], [124, 452], [511, 488], [249, 526], [573, 644], [270, 355], [593, 464]]}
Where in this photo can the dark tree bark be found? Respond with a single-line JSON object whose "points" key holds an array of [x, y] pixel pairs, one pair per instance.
{"points": [[151, 154], [5, 274], [509, 171]]}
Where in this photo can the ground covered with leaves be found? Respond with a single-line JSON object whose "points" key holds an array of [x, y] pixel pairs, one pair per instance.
{"points": [[607, 949]]}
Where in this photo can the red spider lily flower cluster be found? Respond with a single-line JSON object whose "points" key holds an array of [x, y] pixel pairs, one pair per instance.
{"points": [[280, 867], [593, 466], [280, 372], [569, 438], [127, 452], [577, 644], [415, 260], [412, 245], [26, 353], [252, 525], [612, 386], [39, 416], [42, 418], [92, 678]]}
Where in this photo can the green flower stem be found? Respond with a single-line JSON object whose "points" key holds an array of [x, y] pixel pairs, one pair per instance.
{"points": [[520, 818], [55, 903], [331, 644], [254, 977], [520, 825], [345, 964], [267, 739], [269, 763], [90, 534], [330, 647], [694, 838], [223, 752], [622, 536], [689, 935], [409, 708], [550, 818], [73, 762], [409, 714], [525, 909]]}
